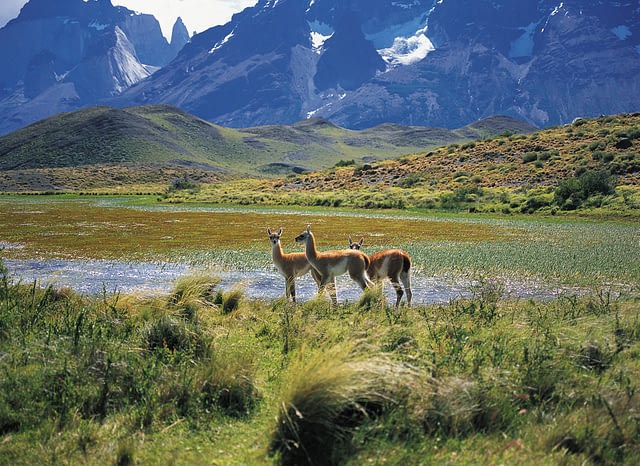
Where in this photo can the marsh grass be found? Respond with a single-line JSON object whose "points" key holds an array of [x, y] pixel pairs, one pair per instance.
{"points": [[114, 378]]}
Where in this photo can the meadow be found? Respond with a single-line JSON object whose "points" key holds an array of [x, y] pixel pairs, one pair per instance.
{"points": [[206, 376]]}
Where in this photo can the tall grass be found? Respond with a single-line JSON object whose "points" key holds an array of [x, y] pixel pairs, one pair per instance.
{"points": [[178, 378], [330, 394]]}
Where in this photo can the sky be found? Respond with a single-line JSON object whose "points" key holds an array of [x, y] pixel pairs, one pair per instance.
{"points": [[197, 15]]}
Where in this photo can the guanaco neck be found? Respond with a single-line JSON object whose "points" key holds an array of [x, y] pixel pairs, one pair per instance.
{"points": [[310, 249], [277, 253]]}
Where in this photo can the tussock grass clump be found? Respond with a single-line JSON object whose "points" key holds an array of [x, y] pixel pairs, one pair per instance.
{"points": [[168, 333], [193, 292], [453, 407], [331, 393], [372, 299], [229, 301], [227, 381]]}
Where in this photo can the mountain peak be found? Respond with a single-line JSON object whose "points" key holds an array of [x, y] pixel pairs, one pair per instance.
{"points": [[70, 53], [36, 9], [356, 63], [179, 35]]}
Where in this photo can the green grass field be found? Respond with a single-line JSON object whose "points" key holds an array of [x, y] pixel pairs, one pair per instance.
{"points": [[207, 376]]}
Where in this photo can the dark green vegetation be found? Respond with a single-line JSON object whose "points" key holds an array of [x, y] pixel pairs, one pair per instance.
{"points": [[143, 149], [202, 376]]}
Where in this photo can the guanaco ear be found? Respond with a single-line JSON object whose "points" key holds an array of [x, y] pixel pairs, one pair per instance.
{"points": [[361, 242], [350, 241], [280, 231], [269, 231], [309, 228]]}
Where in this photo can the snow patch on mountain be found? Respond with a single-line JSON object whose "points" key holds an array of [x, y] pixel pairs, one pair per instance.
{"points": [[557, 9], [330, 99], [222, 42], [318, 40], [406, 5], [407, 50], [386, 37], [271, 4], [320, 32]]}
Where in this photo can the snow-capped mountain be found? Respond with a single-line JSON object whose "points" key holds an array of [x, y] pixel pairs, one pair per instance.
{"points": [[62, 55], [357, 63], [437, 63]]}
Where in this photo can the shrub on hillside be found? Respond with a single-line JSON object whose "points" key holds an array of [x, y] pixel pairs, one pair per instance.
{"points": [[571, 193]]}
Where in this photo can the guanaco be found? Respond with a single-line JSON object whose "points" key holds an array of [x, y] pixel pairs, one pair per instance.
{"points": [[393, 264], [291, 265], [330, 264]]}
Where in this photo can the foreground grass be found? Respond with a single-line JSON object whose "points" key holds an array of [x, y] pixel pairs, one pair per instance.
{"points": [[202, 376]]}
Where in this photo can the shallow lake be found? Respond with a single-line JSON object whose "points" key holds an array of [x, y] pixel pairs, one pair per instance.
{"points": [[147, 278]]}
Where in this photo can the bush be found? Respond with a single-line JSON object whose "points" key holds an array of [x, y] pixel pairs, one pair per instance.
{"points": [[183, 184], [345, 163], [410, 180], [533, 204], [571, 193]]}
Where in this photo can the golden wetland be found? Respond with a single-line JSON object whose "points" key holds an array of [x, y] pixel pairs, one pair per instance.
{"points": [[136, 229]]}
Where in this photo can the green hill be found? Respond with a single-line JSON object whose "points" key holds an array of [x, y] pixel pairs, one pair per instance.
{"points": [[504, 173], [103, 147]]}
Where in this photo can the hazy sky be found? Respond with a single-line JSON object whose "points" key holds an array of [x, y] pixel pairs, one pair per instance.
{"points": [[197, 15]]}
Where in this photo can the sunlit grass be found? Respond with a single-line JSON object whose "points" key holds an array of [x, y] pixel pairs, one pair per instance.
{"points": [[177, 379]]}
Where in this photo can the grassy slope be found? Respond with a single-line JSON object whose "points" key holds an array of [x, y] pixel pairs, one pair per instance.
{"points": [[503, 173], [73, 150], [542, 158]]}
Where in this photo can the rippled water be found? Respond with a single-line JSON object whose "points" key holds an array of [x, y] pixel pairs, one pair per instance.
{"points": [[97, 276]]}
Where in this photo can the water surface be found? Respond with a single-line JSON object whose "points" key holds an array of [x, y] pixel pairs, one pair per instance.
{"points": [[148, 278]]}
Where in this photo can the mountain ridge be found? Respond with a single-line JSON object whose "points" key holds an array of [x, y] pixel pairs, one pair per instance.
{"points": [[448, 63], [62, 56], [357, 63]]}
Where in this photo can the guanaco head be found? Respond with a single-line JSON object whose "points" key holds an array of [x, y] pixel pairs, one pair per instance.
{"points": [[274, 237], [304, 235], [357, 245]]}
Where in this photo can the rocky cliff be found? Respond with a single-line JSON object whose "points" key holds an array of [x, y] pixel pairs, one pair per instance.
{"points": [[62, 55]]}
